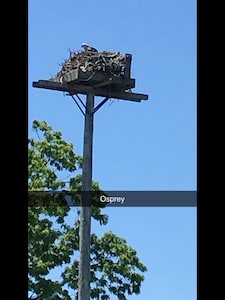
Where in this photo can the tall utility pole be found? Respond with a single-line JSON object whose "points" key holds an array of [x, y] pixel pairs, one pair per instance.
{"points": [[85, 207], [91, 84]]}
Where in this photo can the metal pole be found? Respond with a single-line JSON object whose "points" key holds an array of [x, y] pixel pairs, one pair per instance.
{"points": [[85, 209]]}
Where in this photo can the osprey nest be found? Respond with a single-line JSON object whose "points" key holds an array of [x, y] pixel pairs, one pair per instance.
{"points": [[91, 60]]}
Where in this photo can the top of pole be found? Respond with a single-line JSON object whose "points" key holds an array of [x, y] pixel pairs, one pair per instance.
{"points": [[90, 71]]}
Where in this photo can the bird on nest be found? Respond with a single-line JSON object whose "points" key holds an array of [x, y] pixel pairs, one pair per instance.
{"points": [[88, 48]]}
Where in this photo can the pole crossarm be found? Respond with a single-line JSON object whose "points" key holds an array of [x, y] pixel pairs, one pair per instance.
{"points": [[83, 89]]}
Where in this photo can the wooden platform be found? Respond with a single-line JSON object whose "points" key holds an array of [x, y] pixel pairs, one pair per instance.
{"points": [[72, 87], [99, 83]]}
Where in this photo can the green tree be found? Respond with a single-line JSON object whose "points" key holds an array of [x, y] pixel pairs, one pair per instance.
{"points": [[52, 242]]}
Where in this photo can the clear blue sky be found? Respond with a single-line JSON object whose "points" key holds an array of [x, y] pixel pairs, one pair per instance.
{"points": [[137, 146]]}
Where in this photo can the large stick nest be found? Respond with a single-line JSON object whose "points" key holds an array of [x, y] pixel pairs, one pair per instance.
{"points": [[91, 61]]}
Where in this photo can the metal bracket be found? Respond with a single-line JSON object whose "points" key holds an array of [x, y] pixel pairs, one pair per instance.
{"points": [[100, 104], [80, 108], [83, 113]]}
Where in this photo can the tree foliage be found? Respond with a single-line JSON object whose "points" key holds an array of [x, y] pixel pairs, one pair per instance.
{"points": [[53, 242]]}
